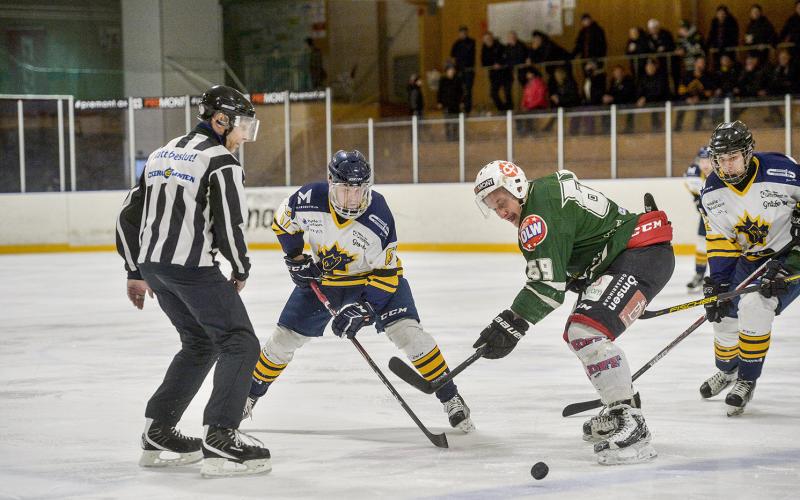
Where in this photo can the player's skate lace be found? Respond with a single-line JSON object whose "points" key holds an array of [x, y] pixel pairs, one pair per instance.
{"points": [[716, 383], [741, 393], [599, 426], [247, 412], [631, 429]]}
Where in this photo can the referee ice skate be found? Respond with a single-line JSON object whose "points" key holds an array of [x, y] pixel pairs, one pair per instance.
{"points": [[188, 205]]}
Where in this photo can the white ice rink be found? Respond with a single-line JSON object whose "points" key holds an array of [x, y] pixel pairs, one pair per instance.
{"points": [[78, 363]]}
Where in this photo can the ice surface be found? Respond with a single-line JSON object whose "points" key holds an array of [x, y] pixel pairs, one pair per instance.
{"points": [[78, 362]]}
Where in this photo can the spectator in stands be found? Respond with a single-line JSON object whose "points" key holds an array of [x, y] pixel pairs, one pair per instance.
{"points": [[689, 45], [463, 54], [753, 80], [316, 71], [493, 57], [548, 53], [591, 41], [516, 57], [534, 97], [697, 87], [636, 47], [790, 33], [622, 92], [652, 89], [564, 94], [760, 32], [724, 33], [726, 76], [783, 79], [661, 41], [594, 88], [416, 101], [449, 98]]}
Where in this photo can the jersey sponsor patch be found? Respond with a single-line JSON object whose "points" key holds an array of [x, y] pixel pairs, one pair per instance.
{"points": [[532, 232]]}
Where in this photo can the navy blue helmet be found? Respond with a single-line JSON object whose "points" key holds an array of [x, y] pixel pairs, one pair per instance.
{"points": [[350, 179]]}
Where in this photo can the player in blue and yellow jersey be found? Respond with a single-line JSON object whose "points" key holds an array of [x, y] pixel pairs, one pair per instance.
{"points": [[693, 179], [750, 202], [351, 233]]}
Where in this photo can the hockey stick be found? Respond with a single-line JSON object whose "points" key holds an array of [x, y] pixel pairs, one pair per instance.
{"points": [[707, 300], [410, 376], [439, 440], [575, 408]]}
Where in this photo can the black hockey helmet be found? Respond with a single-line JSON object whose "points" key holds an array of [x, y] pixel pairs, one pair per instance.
{"points": [[729, 138], [226, 100], [350, 179]]}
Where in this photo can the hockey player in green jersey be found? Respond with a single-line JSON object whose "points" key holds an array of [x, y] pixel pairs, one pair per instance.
{"points": [[574, 238]]}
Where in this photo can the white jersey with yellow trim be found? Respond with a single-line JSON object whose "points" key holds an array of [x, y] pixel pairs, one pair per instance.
{"points": [[755, 221]]}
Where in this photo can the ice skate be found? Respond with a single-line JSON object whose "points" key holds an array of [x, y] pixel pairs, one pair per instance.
{"points": [[458, 414], [696, 283], [630, 443], [165, 446], [716, 383], [247, 412], [226, 454], [603, 424], [739, 396]]}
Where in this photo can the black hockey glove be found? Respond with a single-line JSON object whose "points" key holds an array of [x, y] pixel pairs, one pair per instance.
{"points": [[352, 317], [502, 335], [795, 229], [715, 311], [698, 203], [773, 283], [303, 272]]}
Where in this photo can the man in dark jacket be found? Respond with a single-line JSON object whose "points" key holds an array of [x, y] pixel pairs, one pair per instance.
{"points": [[661, 41], [544, 51], [652, 89], [760, 32], [564, 94], [493, 57], [783, 79], [790, 33], [621, 91], [448, 99], [591, 41], [724, 33], [463, 54], [696, 88], [517, 57]]}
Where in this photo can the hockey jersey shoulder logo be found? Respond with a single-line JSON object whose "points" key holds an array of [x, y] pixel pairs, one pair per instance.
{"points": [[334, 259], [532, 232], [754, 229]]}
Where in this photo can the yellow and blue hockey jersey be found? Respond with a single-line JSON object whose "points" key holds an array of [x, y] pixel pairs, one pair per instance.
{"points": [[356, 252], [754, 222]]}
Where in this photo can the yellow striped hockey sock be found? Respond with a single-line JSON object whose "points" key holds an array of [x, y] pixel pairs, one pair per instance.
{"points": [[752, 351], [431, 365], [727, 357], [265, 373]]}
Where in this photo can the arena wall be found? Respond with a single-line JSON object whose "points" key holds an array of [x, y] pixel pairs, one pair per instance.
{"points": [[429, 217]]}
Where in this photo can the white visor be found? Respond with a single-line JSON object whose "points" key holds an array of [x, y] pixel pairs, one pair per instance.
{"points": [[248, 125]]}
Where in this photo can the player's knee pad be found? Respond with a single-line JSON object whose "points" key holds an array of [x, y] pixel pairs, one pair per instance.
{"points": [[604, 362], [408, 336], [280, 347], [726, 332], [756, 313]]}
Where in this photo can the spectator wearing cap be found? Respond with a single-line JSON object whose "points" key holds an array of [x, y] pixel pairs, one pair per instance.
{"points": [[790, 33], [724, 33], [760, 31], [548, 53], [463, 53], [591, 41], [449, 98]]}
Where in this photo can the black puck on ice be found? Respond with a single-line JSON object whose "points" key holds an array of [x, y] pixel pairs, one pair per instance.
{"points": [[539, 470]]}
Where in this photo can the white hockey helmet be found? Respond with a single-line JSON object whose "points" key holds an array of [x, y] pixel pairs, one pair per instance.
{"points": [[500, 174]]}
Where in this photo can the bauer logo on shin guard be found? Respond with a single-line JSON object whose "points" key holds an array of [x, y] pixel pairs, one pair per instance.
{"points": [[532, 232]]}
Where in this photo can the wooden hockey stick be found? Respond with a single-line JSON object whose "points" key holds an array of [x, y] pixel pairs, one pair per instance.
{"points": [[707, 300], [575, 408], [410, 375], [439, 440]]}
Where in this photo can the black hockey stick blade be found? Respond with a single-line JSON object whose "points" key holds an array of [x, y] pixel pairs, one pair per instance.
{"points": [[649, 203], [411, 377], [575, 408]]}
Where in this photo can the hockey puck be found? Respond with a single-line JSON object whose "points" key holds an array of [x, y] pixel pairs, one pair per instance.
{"points": [[539, 470]]}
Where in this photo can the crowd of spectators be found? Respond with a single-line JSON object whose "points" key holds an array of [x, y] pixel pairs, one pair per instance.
{"points": [[689, 68]]}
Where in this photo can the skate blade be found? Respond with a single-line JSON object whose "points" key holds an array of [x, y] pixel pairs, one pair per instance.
{"points": [[222, 467], [153, 458], [466, 426], [634, 454], [735, 411]]}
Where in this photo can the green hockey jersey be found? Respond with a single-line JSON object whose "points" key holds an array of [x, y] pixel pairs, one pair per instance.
{"points": [[567, 231]]}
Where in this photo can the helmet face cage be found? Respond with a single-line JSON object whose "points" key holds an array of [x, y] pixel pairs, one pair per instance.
{"points": [[729, 139], [499, 174], [350, 184], [235, 106]]}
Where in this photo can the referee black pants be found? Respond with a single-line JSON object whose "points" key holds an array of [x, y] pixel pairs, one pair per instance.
{"points": [[214, 327]]}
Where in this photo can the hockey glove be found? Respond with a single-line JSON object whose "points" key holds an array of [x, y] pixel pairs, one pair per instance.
{"points": [[502, 335], [352, 317], [304, 271], [717, 310], [795, 229], [773, 283]]}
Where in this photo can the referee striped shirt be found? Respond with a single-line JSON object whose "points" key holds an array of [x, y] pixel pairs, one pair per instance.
{"points": [[189, 204]]}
